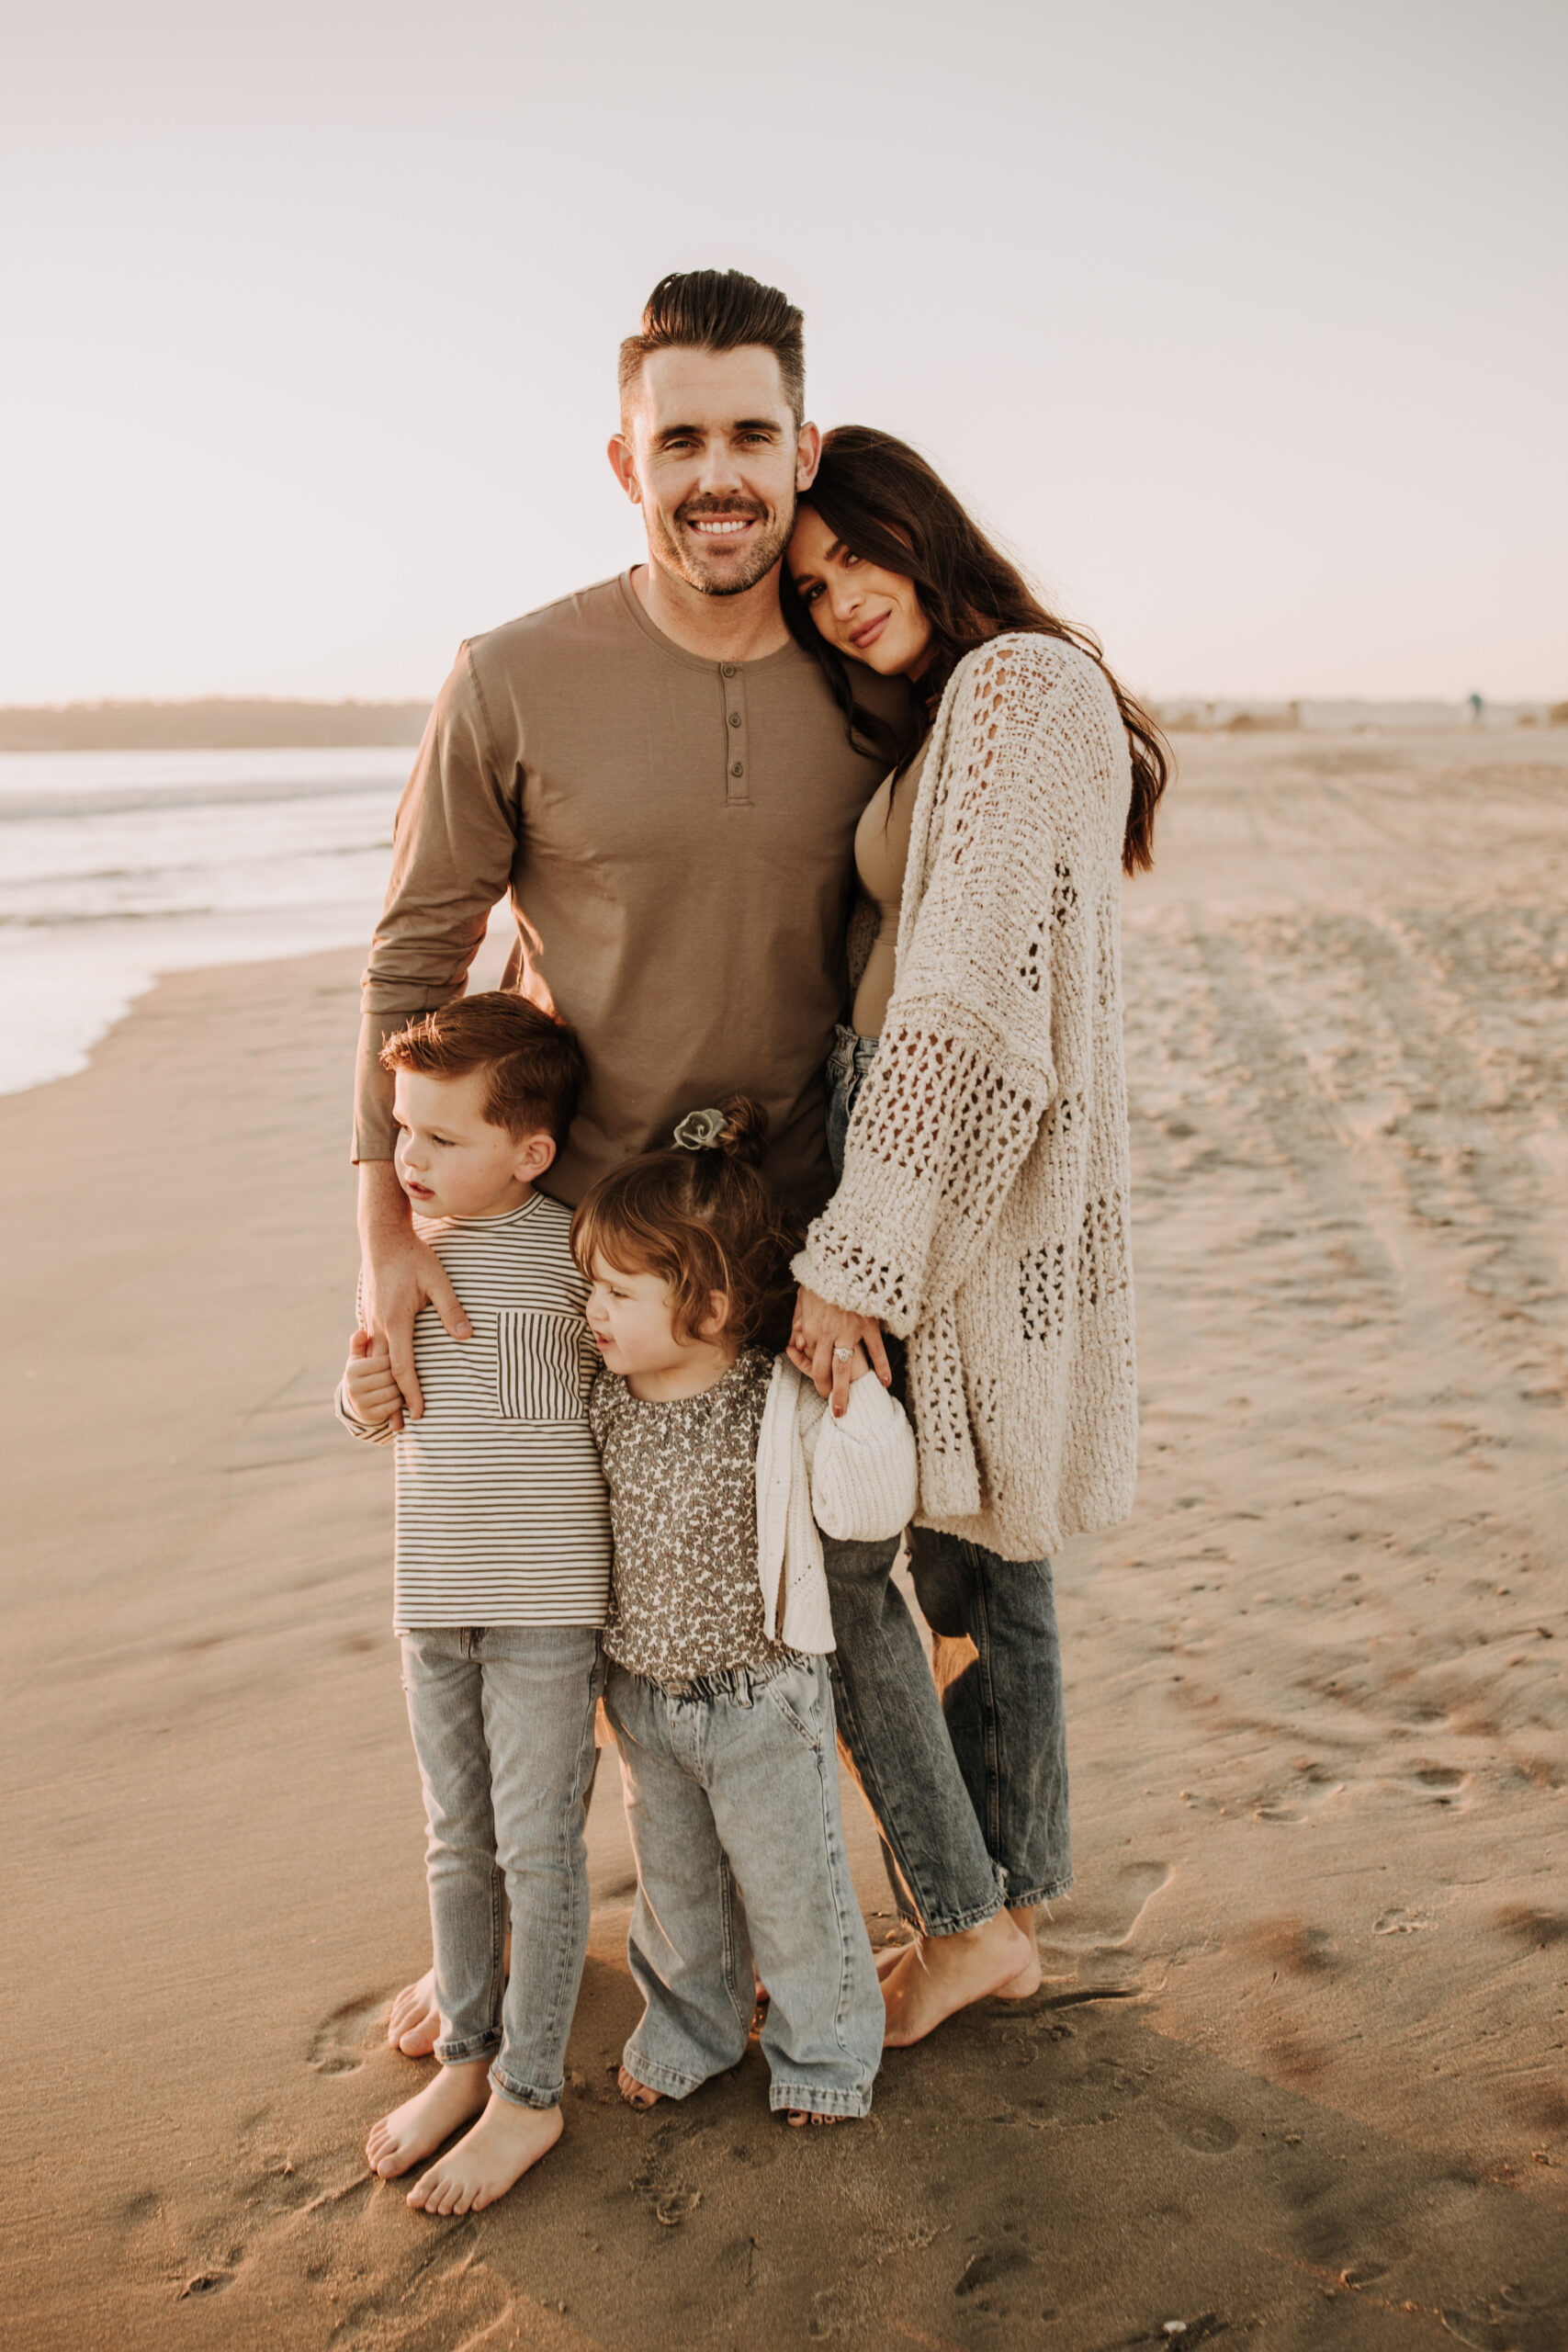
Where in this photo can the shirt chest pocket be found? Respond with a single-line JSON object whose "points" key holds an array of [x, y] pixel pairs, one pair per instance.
{"points": [[538, 1365]]}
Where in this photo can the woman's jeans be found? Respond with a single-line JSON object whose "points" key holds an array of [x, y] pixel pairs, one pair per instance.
{"points": [[970, 1791], [852, 1057], [503, 1723], [732, 1800]]}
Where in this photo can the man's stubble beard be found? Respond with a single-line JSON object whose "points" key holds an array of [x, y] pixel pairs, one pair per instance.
{"points": [[666, 549]]}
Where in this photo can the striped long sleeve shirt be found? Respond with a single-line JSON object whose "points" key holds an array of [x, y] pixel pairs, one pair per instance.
{"points": [[501, 1512]]}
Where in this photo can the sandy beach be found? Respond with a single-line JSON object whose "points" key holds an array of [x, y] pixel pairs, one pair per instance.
{"points": [[1296, 2076]]}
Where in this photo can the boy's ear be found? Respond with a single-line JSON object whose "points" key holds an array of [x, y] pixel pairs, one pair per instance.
{"points": [[535, 1154]]}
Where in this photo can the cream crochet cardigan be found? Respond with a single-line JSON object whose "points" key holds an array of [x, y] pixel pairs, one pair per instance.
{"points": [[983, 1213]]}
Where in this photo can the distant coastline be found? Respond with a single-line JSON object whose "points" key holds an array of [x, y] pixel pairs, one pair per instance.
{"points": [[223, 723], [217, 724]]}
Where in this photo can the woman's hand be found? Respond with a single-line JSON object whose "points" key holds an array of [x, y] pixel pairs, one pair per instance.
{"points": [[822, 1345]]}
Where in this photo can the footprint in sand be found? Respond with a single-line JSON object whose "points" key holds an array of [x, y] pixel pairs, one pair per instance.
{"points": [[343, 2042], [1107, 1916], [1205, 2134]]}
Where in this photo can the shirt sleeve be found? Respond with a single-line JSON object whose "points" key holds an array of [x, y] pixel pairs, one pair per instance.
{"points": [[454, 845]]}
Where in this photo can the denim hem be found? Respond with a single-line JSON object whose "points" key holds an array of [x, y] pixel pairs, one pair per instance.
{"points": [[960, 1920], [804, 2099], [1049, 1892], [662, 2078], [469, 2052], [519, 2094]]}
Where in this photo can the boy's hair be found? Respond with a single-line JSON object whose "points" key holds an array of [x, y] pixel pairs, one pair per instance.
{"points": [[705, 1218], [719, 310], [533, 1063]]}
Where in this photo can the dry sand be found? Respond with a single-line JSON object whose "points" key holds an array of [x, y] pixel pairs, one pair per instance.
{"points": [[1296, 2076]]}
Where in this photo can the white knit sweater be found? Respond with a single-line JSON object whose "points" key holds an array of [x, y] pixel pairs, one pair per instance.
{"points": [[854, 1479], [982, 1213]]}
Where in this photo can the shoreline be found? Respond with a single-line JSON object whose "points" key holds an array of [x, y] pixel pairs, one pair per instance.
{"points": [[1296, 2041]]}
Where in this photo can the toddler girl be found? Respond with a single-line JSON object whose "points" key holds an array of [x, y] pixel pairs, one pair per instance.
{"points": [[720, 1461]]}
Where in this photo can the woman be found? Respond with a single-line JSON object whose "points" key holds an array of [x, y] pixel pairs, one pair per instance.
{"points": [[982, 1211]]}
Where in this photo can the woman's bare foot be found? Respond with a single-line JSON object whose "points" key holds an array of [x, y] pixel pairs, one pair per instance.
{"points": [[486, 2161], [943, 1973], [800, 2116], [636, 2094], [417, 2127], [415, 2025], [1028, 1979], [887, 1958]]}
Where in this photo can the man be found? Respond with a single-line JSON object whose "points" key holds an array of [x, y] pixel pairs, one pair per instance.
{"points": [[661, 778]]}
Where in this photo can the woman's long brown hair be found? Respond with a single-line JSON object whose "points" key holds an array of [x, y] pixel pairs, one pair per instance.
{"points": [[891, 508]]}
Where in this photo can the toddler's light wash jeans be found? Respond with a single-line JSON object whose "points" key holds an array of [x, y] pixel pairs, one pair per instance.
{"points": [[503, 1723], [732, 1800]]}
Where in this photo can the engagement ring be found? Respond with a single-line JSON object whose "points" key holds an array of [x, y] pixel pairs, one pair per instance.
{"points": [[842, 1355]]}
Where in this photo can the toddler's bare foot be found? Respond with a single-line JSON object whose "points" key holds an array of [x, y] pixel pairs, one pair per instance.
{"points": [[939, 1974], [636, 2094], [418, 2127], [486, 2161], [415, 2022]]}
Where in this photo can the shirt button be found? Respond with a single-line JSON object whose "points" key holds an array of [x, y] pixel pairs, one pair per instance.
{"points": [[726, 669], [735, 719], [738, 769]]}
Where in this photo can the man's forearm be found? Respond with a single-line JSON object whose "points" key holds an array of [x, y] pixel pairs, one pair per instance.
{"points": [[384, 1213]]}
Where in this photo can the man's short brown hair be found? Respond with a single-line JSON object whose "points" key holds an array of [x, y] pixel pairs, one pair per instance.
{"points": [[534, 1062], [720, 309]]}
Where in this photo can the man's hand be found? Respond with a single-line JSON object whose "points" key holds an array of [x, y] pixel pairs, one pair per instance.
{"points": [[373, 1395], [401, 1274], [823, 1342]]}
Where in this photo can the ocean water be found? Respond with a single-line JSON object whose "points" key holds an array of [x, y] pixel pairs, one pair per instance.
{"points": [[117, 865]]}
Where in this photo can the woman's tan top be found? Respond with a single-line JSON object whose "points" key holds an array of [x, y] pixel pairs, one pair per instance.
{"points": [[882, 852]]}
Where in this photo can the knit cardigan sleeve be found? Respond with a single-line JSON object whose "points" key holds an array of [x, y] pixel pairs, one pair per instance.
{"points": [[1009, 836]]}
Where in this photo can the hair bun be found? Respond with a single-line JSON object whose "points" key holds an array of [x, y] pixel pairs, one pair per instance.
{"points": [[745, 1133], [738, 1128]]}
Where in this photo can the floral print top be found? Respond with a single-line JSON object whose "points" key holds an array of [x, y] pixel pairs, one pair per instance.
{"points": [[686, 1598]]}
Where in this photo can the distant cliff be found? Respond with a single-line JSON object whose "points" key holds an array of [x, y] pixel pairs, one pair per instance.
{"points": [[219, 725]]}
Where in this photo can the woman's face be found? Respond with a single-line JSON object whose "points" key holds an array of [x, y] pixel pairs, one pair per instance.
{"points": [[873, 616]]}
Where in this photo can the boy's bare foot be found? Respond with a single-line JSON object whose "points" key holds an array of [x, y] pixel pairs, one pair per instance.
{"points": [[418, 2127], [636, 2094], [415, 2025], [939, 1974], [486, 2161]]}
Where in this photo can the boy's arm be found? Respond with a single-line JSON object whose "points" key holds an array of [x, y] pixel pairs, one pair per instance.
{"points": [[865, 1478], [367, 1397]]}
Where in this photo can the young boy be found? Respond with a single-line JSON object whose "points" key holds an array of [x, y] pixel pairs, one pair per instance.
{"points": [[503, 1563]]}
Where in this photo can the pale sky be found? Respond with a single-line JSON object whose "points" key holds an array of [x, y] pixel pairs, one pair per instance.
{"points": [[1243, 320]]}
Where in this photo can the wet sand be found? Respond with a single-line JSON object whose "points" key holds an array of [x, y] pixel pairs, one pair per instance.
{"points": [[1296, 2074]]}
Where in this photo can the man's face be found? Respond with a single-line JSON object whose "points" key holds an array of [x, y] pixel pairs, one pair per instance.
{"points": [[711, 453]]}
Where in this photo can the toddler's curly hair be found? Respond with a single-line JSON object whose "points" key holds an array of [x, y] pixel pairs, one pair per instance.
{"points": [[701, 1216]]}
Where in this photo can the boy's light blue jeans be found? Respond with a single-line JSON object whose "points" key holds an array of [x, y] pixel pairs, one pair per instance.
{"points": [[732, 1799], [503, 1723]]}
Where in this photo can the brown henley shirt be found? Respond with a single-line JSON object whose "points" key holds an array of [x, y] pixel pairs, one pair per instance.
{"points": [[676, 835]]}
